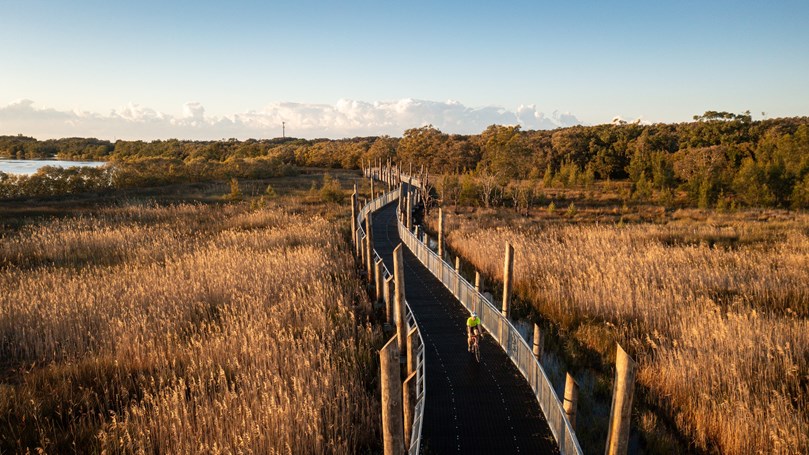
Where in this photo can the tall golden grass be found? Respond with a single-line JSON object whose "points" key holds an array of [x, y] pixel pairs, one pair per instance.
{"points": [[721, 332], [184, 329]]}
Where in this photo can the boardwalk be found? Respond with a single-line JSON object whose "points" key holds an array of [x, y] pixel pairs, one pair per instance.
{"points": [[471, 407]]}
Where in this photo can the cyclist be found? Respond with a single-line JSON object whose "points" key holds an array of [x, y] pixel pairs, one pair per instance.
{"points": [[473, 329]]}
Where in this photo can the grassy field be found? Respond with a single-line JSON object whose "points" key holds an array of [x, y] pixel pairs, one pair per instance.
{"points": [[173, 322], [715, 308]]}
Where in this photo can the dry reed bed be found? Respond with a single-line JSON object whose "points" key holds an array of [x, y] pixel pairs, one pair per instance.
{"points": [[242, 340], [721, 334]]}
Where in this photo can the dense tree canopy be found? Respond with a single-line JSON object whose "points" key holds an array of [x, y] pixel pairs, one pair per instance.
{"points": [[719, 155]]}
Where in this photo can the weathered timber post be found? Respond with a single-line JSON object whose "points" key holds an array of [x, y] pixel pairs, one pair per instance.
{"points": [[409, 211], [440, 232], [372, 188], [399, 300], [458, 276], [369, 246], [537, 343], [388, 295], [378, 279], [354, 221], [571, 399], [389, 176], [621, 411], [508, 270], [416, 230], [363, 258], [401, 199], [392, 412], [409, 401], [412, 341], [478, 282]]}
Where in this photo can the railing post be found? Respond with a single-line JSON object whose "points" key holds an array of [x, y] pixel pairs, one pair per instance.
{"points": [[440, 232], [388, 299], [378, 279], [409, 401], [621, 411], [389, 176], [354, 220], [392, 412], [537, 343], [363, 258], [369, 246], [411, 349], [571, 399], [478, 282], [401, 203], [508, 270], [398, 276], [372, 187], [409, 210], [457, 275]]}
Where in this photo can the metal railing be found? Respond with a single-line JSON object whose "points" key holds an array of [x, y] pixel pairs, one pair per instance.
{"points": [[506, 335], [410, 320]]}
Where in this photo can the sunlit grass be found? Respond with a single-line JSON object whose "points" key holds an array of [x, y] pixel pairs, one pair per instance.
{"points": [[715, 315], [184, 329]]}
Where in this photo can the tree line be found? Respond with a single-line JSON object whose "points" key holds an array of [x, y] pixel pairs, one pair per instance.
{"points": [[720, 158]]}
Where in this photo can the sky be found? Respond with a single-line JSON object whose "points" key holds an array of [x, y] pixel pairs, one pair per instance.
{"points": [[116, 69]]}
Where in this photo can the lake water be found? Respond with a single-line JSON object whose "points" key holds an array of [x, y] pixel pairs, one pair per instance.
{"points": [[28, 167]]}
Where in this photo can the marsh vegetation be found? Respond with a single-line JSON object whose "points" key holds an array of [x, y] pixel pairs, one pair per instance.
{"points": [[714, 307], [186, 327]]}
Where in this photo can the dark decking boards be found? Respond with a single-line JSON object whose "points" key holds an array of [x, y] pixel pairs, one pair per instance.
{"points": [[471, 408]]}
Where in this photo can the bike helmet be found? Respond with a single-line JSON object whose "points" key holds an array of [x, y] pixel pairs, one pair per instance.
{"points": [[474, 314]]}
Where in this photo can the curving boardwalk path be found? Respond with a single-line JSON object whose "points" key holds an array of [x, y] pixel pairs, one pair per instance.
{"points": [[471, 407]]}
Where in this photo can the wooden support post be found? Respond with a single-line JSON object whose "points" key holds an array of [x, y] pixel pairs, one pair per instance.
{"points": [[362, 253], [440, 232], [621, 411], [399, 300], [409, 405], [571, 399], [401, 199], [478, 282], [537, 343], [412, 345], [508, 270], [409, 211], [458, 276], [388, 295], [354, 221], [392, 409], [416, 230], [372, 188], [378, 280], [369, 246]]}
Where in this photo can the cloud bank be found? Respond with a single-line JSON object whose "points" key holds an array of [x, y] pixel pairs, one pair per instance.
{"points": [[346, 118]]}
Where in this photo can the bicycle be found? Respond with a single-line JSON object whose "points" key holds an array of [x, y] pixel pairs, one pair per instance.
{"points": [[476, 346]]}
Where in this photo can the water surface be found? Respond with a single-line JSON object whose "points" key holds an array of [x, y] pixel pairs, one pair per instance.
{"points": [[28, 167]]}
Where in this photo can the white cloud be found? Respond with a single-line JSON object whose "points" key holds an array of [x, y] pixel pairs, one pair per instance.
{"points": [[618, 120], [346, 118]]}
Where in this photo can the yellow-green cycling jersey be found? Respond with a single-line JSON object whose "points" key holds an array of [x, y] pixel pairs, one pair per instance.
{"points": [[473, 322]]}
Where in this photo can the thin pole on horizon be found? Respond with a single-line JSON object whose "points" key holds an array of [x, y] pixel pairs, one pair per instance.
{"points": [[283, 130]]}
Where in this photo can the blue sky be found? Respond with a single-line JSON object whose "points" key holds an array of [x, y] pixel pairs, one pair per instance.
{"points": [[151, 69]]}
